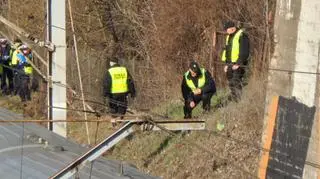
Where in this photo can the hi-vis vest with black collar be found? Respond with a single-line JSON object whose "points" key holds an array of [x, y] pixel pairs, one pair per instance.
{"points": [[201, 80], [119, 77], [235, 48], [25, 59], [13, 54]]}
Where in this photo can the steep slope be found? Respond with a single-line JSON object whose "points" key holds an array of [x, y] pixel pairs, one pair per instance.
{"points": [[156, 40]]}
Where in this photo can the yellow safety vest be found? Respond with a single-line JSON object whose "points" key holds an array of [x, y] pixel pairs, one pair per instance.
{"points": [[14, 60], [13, 54], [201, 81], [119, 77], [28, 69], [235, 49]]}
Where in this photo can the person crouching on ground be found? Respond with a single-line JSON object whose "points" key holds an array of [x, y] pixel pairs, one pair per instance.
{"points": [[197, 85]]}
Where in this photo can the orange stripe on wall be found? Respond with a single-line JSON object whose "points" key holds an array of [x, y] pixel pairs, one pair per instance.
{"points": [[318, 118], [273, 108]]}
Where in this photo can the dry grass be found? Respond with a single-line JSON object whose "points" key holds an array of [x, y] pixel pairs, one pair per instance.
{"points": [[98, 131], [11, 103], [156, 40], [174, 157]]}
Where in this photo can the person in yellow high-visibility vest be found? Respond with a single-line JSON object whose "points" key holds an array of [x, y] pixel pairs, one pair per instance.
{"points": [[14, 64], [118, 84], [235, 56], [25, 72], [197, 85]]}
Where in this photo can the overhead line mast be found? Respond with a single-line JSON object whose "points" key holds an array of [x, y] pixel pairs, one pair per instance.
{"points": [[57, 96]]}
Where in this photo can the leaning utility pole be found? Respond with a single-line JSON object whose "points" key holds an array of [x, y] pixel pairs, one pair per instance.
{"points": [[57, 97]]}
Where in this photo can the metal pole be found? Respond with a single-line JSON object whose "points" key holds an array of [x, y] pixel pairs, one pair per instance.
{"points": [[49, 67], [57, 70]]}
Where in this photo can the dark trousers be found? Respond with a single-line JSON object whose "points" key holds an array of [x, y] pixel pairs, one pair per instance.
{"points": [[34, 83], [235, 78], [206, 103], [16, 82], [7, 74], [24, 88], [118, 104]]}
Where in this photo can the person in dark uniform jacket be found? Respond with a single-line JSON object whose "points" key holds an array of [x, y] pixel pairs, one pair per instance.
{"points": [[197, 85], [117, 85], [235, 56]]}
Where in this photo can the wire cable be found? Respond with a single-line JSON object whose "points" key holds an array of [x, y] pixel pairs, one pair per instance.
{"points": [[240, 168], [95, 143], [240, 142], [202, 148], [262, 149], [216, 134], [270, 69]]}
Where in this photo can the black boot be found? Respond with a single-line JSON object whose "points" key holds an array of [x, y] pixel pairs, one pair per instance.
{"points": [[187, 116]]}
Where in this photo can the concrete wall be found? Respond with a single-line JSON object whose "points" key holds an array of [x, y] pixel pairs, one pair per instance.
{"points": [[297, 47]]}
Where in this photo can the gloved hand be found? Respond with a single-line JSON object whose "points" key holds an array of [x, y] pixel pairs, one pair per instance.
{"points": [[108, 95], [6, 57], [229, 72], [20, 66]]}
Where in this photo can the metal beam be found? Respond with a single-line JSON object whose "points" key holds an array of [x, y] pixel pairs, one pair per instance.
{"points": [[127, 129], [20, 31], [175, 125], [29, 60], [33, 51], [95, 152], [56, 14]]}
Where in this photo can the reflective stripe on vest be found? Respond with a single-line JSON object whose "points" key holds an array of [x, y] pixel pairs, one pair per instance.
{"points": [[28, 70], [201, 81], [119, 77], [235, 49]]}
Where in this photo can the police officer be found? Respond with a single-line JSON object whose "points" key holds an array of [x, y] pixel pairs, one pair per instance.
{"points": [[197, 85], [25, 71], [235, 56], [14, 64], [118, 84], [5, 61]]}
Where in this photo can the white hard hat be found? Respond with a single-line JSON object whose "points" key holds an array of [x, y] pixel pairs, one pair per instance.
{"points": [[22, 47], [3, 40]]}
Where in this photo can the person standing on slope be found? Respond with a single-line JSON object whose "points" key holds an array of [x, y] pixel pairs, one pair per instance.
{"points": [[118, 84], [25, 72], [235, 56], [5, 61]]}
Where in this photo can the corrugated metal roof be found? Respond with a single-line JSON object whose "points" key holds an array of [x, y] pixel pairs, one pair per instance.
{"points": [[37, 160]]}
